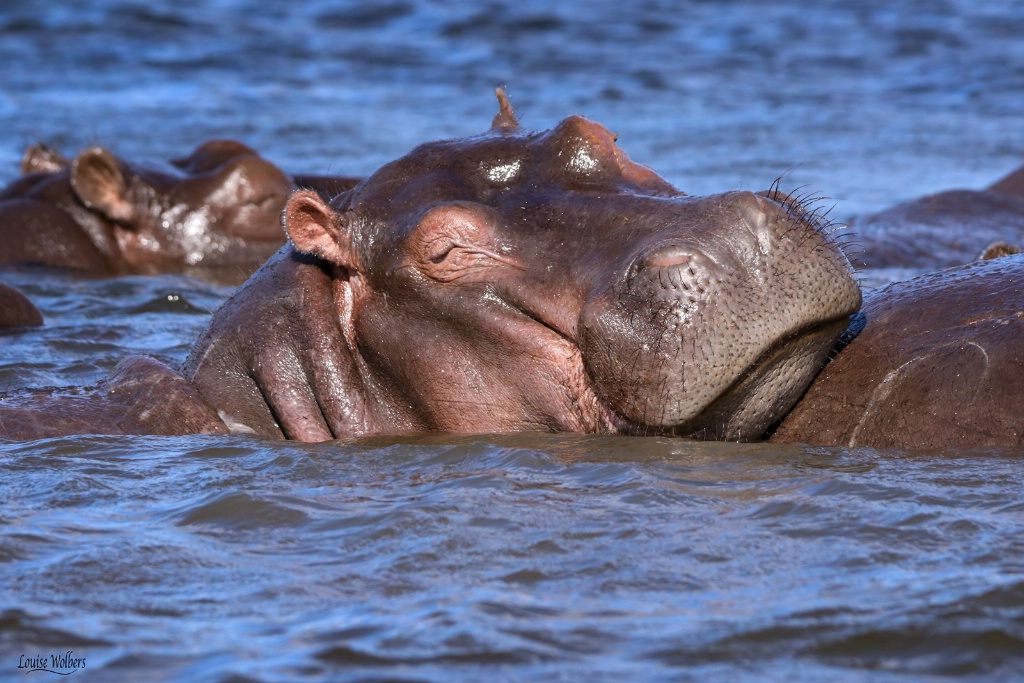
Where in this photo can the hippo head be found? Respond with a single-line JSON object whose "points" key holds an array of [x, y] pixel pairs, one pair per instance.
{"points": [[221, 205], [519, 280]]}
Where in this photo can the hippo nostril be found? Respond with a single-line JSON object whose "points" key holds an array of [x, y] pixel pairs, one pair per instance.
{"points": [[751, 208], [754, 212], [674, 271], [669, 257]]}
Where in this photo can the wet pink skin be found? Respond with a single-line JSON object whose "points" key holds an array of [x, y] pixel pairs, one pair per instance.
{"points": [[527, 281]]}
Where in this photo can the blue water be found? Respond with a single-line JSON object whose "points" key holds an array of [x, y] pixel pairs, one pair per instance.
{"points": [[866, 102], [526, 557]]}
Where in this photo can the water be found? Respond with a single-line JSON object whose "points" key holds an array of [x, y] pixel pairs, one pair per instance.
{"points": [[498, 557], [511, 558]]}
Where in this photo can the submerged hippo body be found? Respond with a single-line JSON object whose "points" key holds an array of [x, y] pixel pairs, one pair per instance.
{"points": [[945, 229], [142, 396], [219, 207], [939, 363], [16, 310], [527, 281]]}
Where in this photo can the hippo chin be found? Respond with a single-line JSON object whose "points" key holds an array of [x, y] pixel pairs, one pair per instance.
{"points": [[528, 281], [219, 207]]}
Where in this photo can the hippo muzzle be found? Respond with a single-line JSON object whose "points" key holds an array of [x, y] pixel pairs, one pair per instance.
{"points": [[717, 329]]}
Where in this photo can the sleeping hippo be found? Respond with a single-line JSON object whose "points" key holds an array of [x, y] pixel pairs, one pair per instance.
{"points": [[219, 207], [508, 281], [945, 229], [16, 310]]}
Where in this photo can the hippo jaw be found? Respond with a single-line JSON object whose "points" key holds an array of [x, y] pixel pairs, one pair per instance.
{"points": [[758, 396], [767, 391], [718, 339]]}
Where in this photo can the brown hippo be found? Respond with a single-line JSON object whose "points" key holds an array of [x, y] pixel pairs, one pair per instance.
{"points": [[945, 229], [220, 207], [509, 281], [939, 363], [16, 310]]}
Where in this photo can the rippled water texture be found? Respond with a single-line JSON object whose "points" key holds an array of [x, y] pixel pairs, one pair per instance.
{"points": [[503, 557], [867, 102], [511, 558]]}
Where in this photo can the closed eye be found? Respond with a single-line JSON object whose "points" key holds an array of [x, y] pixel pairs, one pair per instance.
{"points": [[448, 260]]}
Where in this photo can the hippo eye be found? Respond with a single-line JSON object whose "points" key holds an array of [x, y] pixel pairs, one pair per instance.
{"points": [[456, 241], [439, 249]]}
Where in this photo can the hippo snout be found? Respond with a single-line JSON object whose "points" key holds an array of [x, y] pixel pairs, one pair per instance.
{"points": [[724, 318]]}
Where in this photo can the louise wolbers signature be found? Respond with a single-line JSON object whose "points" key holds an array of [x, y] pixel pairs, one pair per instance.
{"points": [[61, 664]]}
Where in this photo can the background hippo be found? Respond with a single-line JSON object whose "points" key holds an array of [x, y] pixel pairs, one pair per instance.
{"points": [[939, 364], [945, 229], [142, 396], [218, 207], [522, 281], [16, 310]]}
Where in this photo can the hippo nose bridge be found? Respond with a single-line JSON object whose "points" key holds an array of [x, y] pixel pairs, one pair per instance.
{"points": [[758, 215]]}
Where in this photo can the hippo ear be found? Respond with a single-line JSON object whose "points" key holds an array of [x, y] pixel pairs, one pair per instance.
{"points": [[315, 228], [41, 158], [997, 249], [97, 179]]}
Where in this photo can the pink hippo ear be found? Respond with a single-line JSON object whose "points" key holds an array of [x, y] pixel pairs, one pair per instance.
{"points": [[97, 180], [315, 228]]}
